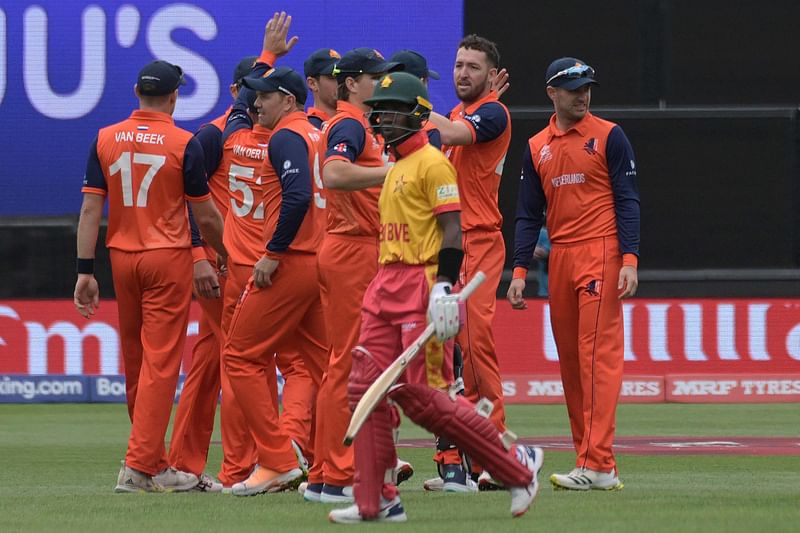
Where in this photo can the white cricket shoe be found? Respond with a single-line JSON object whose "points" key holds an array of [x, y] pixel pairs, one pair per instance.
{"points": [[487, 483], [336, 494], [207, 483], [265, 480], [312, 492], [531, 457], [175, 480], [586, 479], [434, 484], [402, 471], [391, 511], [131, 480]]}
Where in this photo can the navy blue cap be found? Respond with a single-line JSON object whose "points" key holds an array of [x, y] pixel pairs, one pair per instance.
{"points": [[283, 79], [159, 78], [243, 68], [415, 63], [321, 63], [363, 61], [569, 73]]}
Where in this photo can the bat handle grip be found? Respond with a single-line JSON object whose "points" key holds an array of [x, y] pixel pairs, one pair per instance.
{"points": [[473, 284]]}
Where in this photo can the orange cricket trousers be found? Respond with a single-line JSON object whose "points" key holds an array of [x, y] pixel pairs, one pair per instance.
{"points": [[483, 250], [284, 316], [347, 265], [153, 294], [586, 317], [238, 448], [197, 407]]}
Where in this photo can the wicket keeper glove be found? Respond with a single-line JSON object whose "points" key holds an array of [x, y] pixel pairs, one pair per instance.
{"points": [[443, 310]]}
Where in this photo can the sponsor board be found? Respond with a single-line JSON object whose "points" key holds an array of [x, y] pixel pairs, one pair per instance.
{"points": [[549, 390], [662, 336], [44, 389], [733, 388]]}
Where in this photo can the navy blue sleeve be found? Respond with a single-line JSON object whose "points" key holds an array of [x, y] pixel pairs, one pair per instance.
{"points": [[94, 176], [622, 171], [197, 239], [435, 138], [316, 121], [530, 212], [210, 139], [489, 122], [239, 118], [195, 179], [346, 139], [288, 155]]}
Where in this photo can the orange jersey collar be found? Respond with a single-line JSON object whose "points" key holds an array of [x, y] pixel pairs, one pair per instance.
{"points": [[152, 115]]}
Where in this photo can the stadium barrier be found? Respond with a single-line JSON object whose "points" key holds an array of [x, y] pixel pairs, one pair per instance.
{"points": [[676, 350]]}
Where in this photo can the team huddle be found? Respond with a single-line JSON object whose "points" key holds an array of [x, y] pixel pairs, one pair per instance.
{"points": [[321, 240]]}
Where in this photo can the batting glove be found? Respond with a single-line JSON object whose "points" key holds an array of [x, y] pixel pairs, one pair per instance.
{"points": [[443, 310]]}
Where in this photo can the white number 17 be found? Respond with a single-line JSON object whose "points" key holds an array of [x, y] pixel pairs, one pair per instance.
{"points": [[123, 165]]}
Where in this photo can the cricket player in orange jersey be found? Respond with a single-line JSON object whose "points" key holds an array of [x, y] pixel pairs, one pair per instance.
{"points": [[476, 135], [246, 144], [194, 417], [420, 257], [582, 169], [352, 172], [318, 68], [147, 167], [279, 308]]}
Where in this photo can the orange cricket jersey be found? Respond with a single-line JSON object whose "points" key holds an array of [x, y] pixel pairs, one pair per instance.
{"points": [[574, 174], [354, 212], [309, 236], [243, 156], [149, 168], [479, 167], [220, 121]]}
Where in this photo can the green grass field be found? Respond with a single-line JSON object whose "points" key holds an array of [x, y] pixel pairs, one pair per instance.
{"points": [[58, 465]]}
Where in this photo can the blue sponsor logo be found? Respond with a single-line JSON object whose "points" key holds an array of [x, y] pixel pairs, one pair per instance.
{"points": [[43, 389]]}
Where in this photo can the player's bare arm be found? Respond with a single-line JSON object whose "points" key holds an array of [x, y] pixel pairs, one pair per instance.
{"points": [[210, 223], [87, 294], [347, 176], [205, 280], [454, 133], [275, 33], [628, 281]]}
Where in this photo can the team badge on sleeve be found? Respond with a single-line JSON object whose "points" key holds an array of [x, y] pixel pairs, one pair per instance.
{"points": [[341, 148]]}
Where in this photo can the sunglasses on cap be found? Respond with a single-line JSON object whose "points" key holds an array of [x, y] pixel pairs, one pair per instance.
{"points": [[576, 72]]}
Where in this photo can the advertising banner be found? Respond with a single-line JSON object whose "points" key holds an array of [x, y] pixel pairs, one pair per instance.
{"points": [[68, 69]]}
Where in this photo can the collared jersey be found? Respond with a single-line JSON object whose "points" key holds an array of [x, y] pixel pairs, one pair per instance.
{"points": [[479, 165], [147, 167], [586, 177], [421, 185], [243, 156], [348, 137], [317, 117], [293, 220]]}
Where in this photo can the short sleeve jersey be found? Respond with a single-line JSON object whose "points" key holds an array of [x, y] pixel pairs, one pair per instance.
{"points": [[147, 167], [348, 137], [479, 165], [288, 183], [243, 156], [421, 185]]}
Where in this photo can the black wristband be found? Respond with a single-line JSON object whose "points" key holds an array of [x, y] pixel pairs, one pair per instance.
{"points": [[450, 263], [85, 266]]}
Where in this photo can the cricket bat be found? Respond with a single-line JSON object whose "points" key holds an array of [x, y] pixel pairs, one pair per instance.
{"points": [[380, 387]]}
